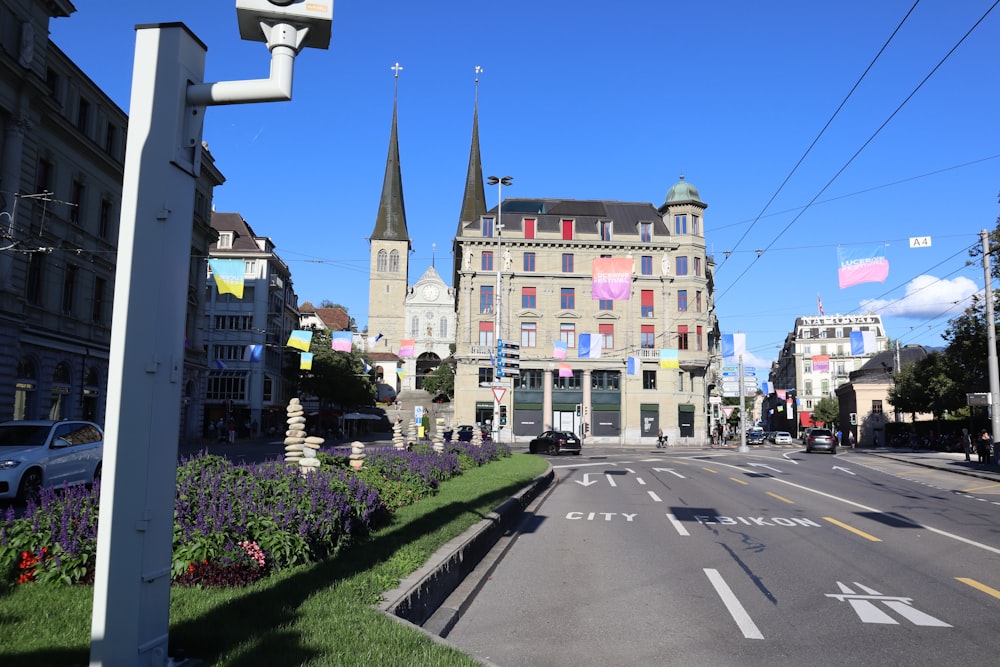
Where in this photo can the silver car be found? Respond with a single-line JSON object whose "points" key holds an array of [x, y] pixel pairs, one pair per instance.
{"points": [[47, 453], [821, 439]]}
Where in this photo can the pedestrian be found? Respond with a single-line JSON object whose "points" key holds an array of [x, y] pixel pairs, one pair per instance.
{"points": [[850, 439], [253, 429], [211, 430], [220, 430], [983, 446], [840, 437], [232, 430], [967, 444]]}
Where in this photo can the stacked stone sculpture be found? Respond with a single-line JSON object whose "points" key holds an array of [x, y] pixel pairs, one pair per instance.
{"points": [[477, 437], [438, 444], [411, 433], [300, 448], [398, 441], [357, 457]]}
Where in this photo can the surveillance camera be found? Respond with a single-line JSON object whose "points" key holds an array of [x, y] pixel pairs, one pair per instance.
{"points": [[314, 15]]}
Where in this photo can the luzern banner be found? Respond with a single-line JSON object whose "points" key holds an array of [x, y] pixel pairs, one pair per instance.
{"points": [[611, 278], [861, 266]]}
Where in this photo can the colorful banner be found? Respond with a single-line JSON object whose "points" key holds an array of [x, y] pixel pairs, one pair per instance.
{"points": [[400, 373], [306, 361], [252, 353], [374, 339], [862, 342], [590, 346], [765, 387], [669, 359], [611, 278], [300, 340], [341, 341], [819, 302], [733, 345], [218, 364], [559, 349], [565, 371], [368, 367], [632, 365], [782, 394], [821, 362], [228, 275], [860, 266], [407, 348]]}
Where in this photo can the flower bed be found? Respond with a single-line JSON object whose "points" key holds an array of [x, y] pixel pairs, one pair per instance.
{"points": [[235, 523]]}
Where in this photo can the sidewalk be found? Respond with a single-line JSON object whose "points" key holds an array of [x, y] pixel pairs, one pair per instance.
{"points": [[948, 461]]}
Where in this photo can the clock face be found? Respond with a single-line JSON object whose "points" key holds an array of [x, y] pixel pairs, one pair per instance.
{"points": [[431, 292]]}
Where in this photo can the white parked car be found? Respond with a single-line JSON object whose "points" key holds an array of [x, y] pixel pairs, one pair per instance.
{"points": [[47, 453], [782, 438]]}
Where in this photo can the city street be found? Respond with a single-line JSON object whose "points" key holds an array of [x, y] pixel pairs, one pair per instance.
{"points": [[772, 557]]}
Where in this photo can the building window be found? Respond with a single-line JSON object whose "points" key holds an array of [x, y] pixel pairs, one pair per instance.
{"points": [[394, 261], [567, 298], [529, 333], [69, 288], [444, 327], [605, 304], [649, 379], [807, 367], [697, 341], [607, 333], [414, 326], [646, 265], [682, 337], [824, 387], [567, 262], [33, 284], [697, 301], [43, 176], [604, 229], [528, 297], [567, 334], [381, 260], [488, 227], [487, 262], [486, 334], [695, 224], [529, 228], [76, 199], [876, 407], [529, 262], [682, 300], [567, 230], [226, 240], [486, 374], [647, 336], [486, 299], [680, 224], [697, 266], [529, 379], [104, 224], [82, 115], [646, 303], [809, 387], [646, 232], [100, 294], [682, 266], [110, 136]]}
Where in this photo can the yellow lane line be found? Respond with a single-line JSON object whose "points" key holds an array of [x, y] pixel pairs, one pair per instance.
{"points": [[781, 498], [743, 482], [979, 488], [710, 470], [852, 529], [978, 586], [917, 472]]}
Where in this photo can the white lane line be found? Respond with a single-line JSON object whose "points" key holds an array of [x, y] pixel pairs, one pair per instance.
{"points": [[736, 610], [678, 526], [654, 497], [641, 481], [611, 480]]}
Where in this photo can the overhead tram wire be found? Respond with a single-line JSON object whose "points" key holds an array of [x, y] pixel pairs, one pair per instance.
{"points": [[818, 136], [863, 146]]}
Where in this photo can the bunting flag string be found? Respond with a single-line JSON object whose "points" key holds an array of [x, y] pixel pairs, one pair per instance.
{"points": [[632, 366], [669, 359], [559, 349], [228, 275], [407, 348], [565, 371], [252, 353], [733, 345], [306, 361], [590, 346], [821, 362], [342, 341], [300, 340]]}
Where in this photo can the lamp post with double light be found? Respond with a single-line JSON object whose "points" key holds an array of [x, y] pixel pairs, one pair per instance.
{"points": [[500, 182]]}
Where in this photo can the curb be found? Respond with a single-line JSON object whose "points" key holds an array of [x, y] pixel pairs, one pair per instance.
{"points": [[419, 596]]}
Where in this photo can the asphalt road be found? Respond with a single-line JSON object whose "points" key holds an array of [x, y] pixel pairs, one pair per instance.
{"points": [[772, 557]]}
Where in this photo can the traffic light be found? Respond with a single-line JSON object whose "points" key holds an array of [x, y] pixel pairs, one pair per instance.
{"points": [[508, 359], [854, 419], [503, 415]]}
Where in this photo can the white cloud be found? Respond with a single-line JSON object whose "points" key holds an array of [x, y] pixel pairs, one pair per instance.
{"points": [[927, 297]]}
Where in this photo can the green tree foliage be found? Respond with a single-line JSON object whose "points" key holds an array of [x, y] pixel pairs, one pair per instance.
{"points": [[336, 377], [827, 410], [926, 386], [441, 381], [967, 338]]}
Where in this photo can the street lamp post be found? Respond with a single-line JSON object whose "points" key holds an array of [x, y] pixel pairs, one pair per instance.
{"points": [[498, 297]]}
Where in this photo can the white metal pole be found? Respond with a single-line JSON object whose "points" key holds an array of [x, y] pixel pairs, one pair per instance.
{"points": [[991, 337], [743, 411], [497, 315]]}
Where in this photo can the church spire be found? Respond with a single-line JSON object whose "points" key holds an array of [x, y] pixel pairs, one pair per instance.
{"points": [[390, 225], [474, 200]]}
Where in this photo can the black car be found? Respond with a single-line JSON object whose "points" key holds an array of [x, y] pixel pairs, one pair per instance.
{"points": [[555, 442], [820, 438], [465, 432]]}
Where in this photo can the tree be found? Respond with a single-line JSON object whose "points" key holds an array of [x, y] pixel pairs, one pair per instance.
{"points": [[441, 380], [926, 386], [827, 410], [336, 377]]}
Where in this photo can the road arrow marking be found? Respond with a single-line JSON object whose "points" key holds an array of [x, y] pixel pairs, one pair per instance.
{"points": [[586, 480], [671, 471], [764, 465], [864, 606], [842, 469]]}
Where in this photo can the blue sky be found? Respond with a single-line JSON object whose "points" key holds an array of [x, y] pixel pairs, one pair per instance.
{"points": [[582, 99]]}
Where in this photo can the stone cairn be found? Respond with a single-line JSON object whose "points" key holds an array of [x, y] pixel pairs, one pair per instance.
{"points": [[411, 433], [300, 448], [438, 444], [477, 436], [357, 457], [398, 441]]}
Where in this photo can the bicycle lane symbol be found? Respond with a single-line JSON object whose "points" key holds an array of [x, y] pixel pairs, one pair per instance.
{"points": [[864, 606]]}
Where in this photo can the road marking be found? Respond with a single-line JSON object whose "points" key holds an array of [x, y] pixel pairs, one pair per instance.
{"points": [[671, 471], [764, 465], [863, 605], [785, 456], [710, 470], [641, 481], [781, 498], [611, 480], [843, 469], [736, 610], [678, 526], [655, 497], [740, 481], [586, 480], [978, 586], [854, 530], [979, 488]]}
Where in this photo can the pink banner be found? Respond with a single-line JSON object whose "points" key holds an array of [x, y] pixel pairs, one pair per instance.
{"points": [[859, 266], [821, 362], [611, 278]]}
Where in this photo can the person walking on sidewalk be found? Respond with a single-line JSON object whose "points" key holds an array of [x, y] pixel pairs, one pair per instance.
{"points": [[850, 439], [967, 444], [983, 446]]}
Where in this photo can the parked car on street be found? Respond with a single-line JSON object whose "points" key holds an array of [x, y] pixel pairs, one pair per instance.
{"points": [[821, 439], [46, 453], [755, 436], [555, 442], [782, 438]]}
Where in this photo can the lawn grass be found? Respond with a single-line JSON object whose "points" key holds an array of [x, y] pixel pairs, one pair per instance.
{"points": [[319, 614]]}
